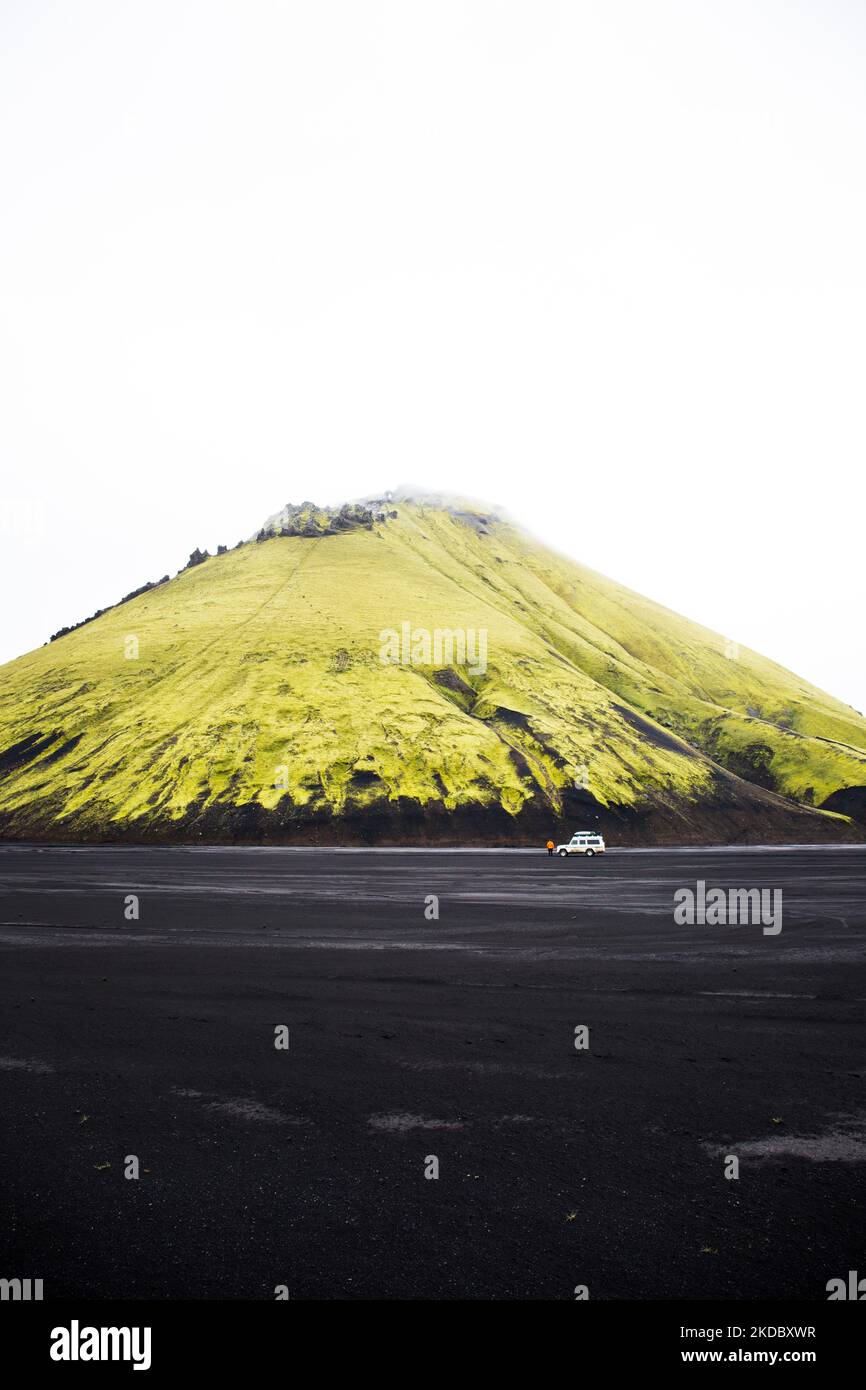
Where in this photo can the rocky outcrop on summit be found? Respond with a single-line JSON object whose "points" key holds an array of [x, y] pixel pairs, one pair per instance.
{"points": [[307, 519]]}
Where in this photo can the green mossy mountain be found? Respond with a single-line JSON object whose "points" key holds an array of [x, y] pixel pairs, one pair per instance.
{"points": [[268, 693]]}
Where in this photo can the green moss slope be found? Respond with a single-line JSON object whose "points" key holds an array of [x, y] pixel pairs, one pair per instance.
{"points": [[258, 702]]}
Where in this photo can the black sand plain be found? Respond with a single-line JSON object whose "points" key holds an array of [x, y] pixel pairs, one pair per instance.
{"points": [[411, 1038]]}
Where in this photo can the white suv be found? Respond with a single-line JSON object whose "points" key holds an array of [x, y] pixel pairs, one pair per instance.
{"points": [[584, 842]]}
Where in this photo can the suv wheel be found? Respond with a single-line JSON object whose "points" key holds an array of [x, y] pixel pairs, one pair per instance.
{"points": [[590, 853], [563, 854]]}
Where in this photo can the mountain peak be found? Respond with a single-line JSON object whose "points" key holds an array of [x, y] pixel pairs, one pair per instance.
{"points": [[412, 667]]}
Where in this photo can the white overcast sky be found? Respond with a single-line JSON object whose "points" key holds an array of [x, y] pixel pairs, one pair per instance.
{"points": [[603, 263]]}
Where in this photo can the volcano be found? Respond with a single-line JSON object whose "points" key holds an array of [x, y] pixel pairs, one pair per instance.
{"points": [[413, 670]]}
